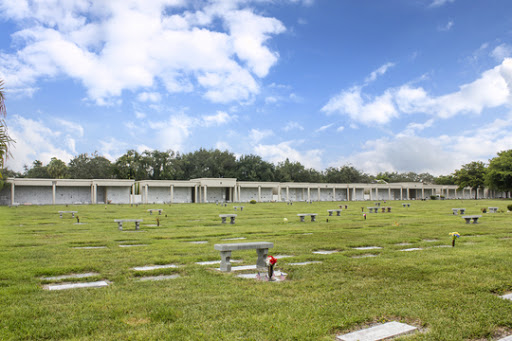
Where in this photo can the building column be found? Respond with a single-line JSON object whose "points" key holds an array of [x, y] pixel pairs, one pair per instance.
{"points": [[205, 192], [172, 194], [146, 191], [235, 193], [318, 194], [12, 193], [53, 192], [92, 194], [333, 193], [278, 193], [195, 195], [408, 196], [287, 193], [309, 194], [354, 196], [422, 192], [259, 193], [401, 194], [377, 193]]}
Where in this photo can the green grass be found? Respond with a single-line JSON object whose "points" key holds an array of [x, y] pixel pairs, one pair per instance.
{"points": [[451, 293]]}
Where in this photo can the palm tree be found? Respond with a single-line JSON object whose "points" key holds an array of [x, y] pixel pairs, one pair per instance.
{"points": [[5, 140]]}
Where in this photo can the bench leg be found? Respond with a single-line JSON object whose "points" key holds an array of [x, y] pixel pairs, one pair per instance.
{"points": [[232, 222], [301, 219], [225, 261], [330, 214], [241, 208], [72, 215], [262, 255], [60, 215], [137, 225], [467, 220], [159, 212], [223, 220], [338, 213], [150, 212], [120, 225], [475, 220], [313, 218]]}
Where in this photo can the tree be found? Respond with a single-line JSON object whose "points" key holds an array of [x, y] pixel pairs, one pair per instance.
{"points": [[37, 170], [471, 175], [57, 169], [94, 166], [499, 173], [253, 168], [345, 175], [5, 140], [444, 180]]}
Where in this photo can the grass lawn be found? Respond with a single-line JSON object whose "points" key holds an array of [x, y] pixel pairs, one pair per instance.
{"points": [[450, 293]]}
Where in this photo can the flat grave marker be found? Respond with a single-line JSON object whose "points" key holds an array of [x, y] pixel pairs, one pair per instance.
{"points": [[58, 278], [157, 278], [67, 286], [380, 332], [154, 267]]}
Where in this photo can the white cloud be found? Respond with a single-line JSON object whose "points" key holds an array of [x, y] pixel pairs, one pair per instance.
{"points": [[292, 126], [379, 72], [136, 44], [256, 135], [501, 52], [71, 128], [325, 127], [112, 148], [493, 89], [340, 129], [35, 140], [140, 115], [219, 118], [221, 145], [439, 3], [446, 27], [149, 97], [172, 134], [284, 150]]}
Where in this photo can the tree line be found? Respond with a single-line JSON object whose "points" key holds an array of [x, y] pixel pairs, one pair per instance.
{"points": [[213, 163]]}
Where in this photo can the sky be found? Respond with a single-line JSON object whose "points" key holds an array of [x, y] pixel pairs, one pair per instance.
{"points": [[381, 85]]}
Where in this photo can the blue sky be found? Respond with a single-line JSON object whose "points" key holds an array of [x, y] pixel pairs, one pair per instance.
{"points": [[383, 85]]}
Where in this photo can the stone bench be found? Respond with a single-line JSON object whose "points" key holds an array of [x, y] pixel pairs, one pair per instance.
{"points": [[121, 221], [231, 216], [155, 209], [406, 205], [461, 210], [338, 212], [225, 253], [72, 213], [493, 209], [469, 217], [386, 208], [373, 209], [302, 215], [238, 207]]}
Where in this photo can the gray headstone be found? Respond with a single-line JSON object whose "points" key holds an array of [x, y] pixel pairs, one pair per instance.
{"points": [[507, 296], [98, 284], [380, 332]]}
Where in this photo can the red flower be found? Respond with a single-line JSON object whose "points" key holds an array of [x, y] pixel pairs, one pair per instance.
{"points": [[271, 260]]}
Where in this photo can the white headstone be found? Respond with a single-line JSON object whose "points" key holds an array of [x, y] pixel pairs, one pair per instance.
{"points": [[380, 332], [98, 284]]}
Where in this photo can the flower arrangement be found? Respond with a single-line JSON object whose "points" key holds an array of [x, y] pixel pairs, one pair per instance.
{"points": [[454, 236], [271, 261]]}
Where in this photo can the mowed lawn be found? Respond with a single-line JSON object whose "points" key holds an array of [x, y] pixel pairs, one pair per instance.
{"points": [[450, 293]]}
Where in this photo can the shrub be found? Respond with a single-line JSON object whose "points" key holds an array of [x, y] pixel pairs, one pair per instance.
{"points": [[509, 207], [433, 197], [252, 201], [484, 210]]}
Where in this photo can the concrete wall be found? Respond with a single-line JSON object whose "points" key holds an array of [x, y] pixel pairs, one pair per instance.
{"points": [[35, 195], [71, 195], [214, 194], [266, 195], [118, 195], [183, 195], [248, 194], [5, 195], [159, 195], [101, 195]]}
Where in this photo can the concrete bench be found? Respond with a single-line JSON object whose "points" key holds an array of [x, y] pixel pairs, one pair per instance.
{"points": [[406, 205], [338, 212], [155, 209], [302, 215], [225, 253], [231, 216], [377, 204], [373, 209], [238, 207], [121, 221], [469, 217], [461, 210], [72, 213], [493, 209]]}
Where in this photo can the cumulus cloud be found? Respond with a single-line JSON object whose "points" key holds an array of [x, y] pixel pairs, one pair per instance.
{"points": [[439, 3], [136, 44], [112, 148], [493, 89], [379, 72], [501, 52], [172, 133], [219, 118], [257, 135], [446, 27], [36, 140], [292, 126], [279, 152]]}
